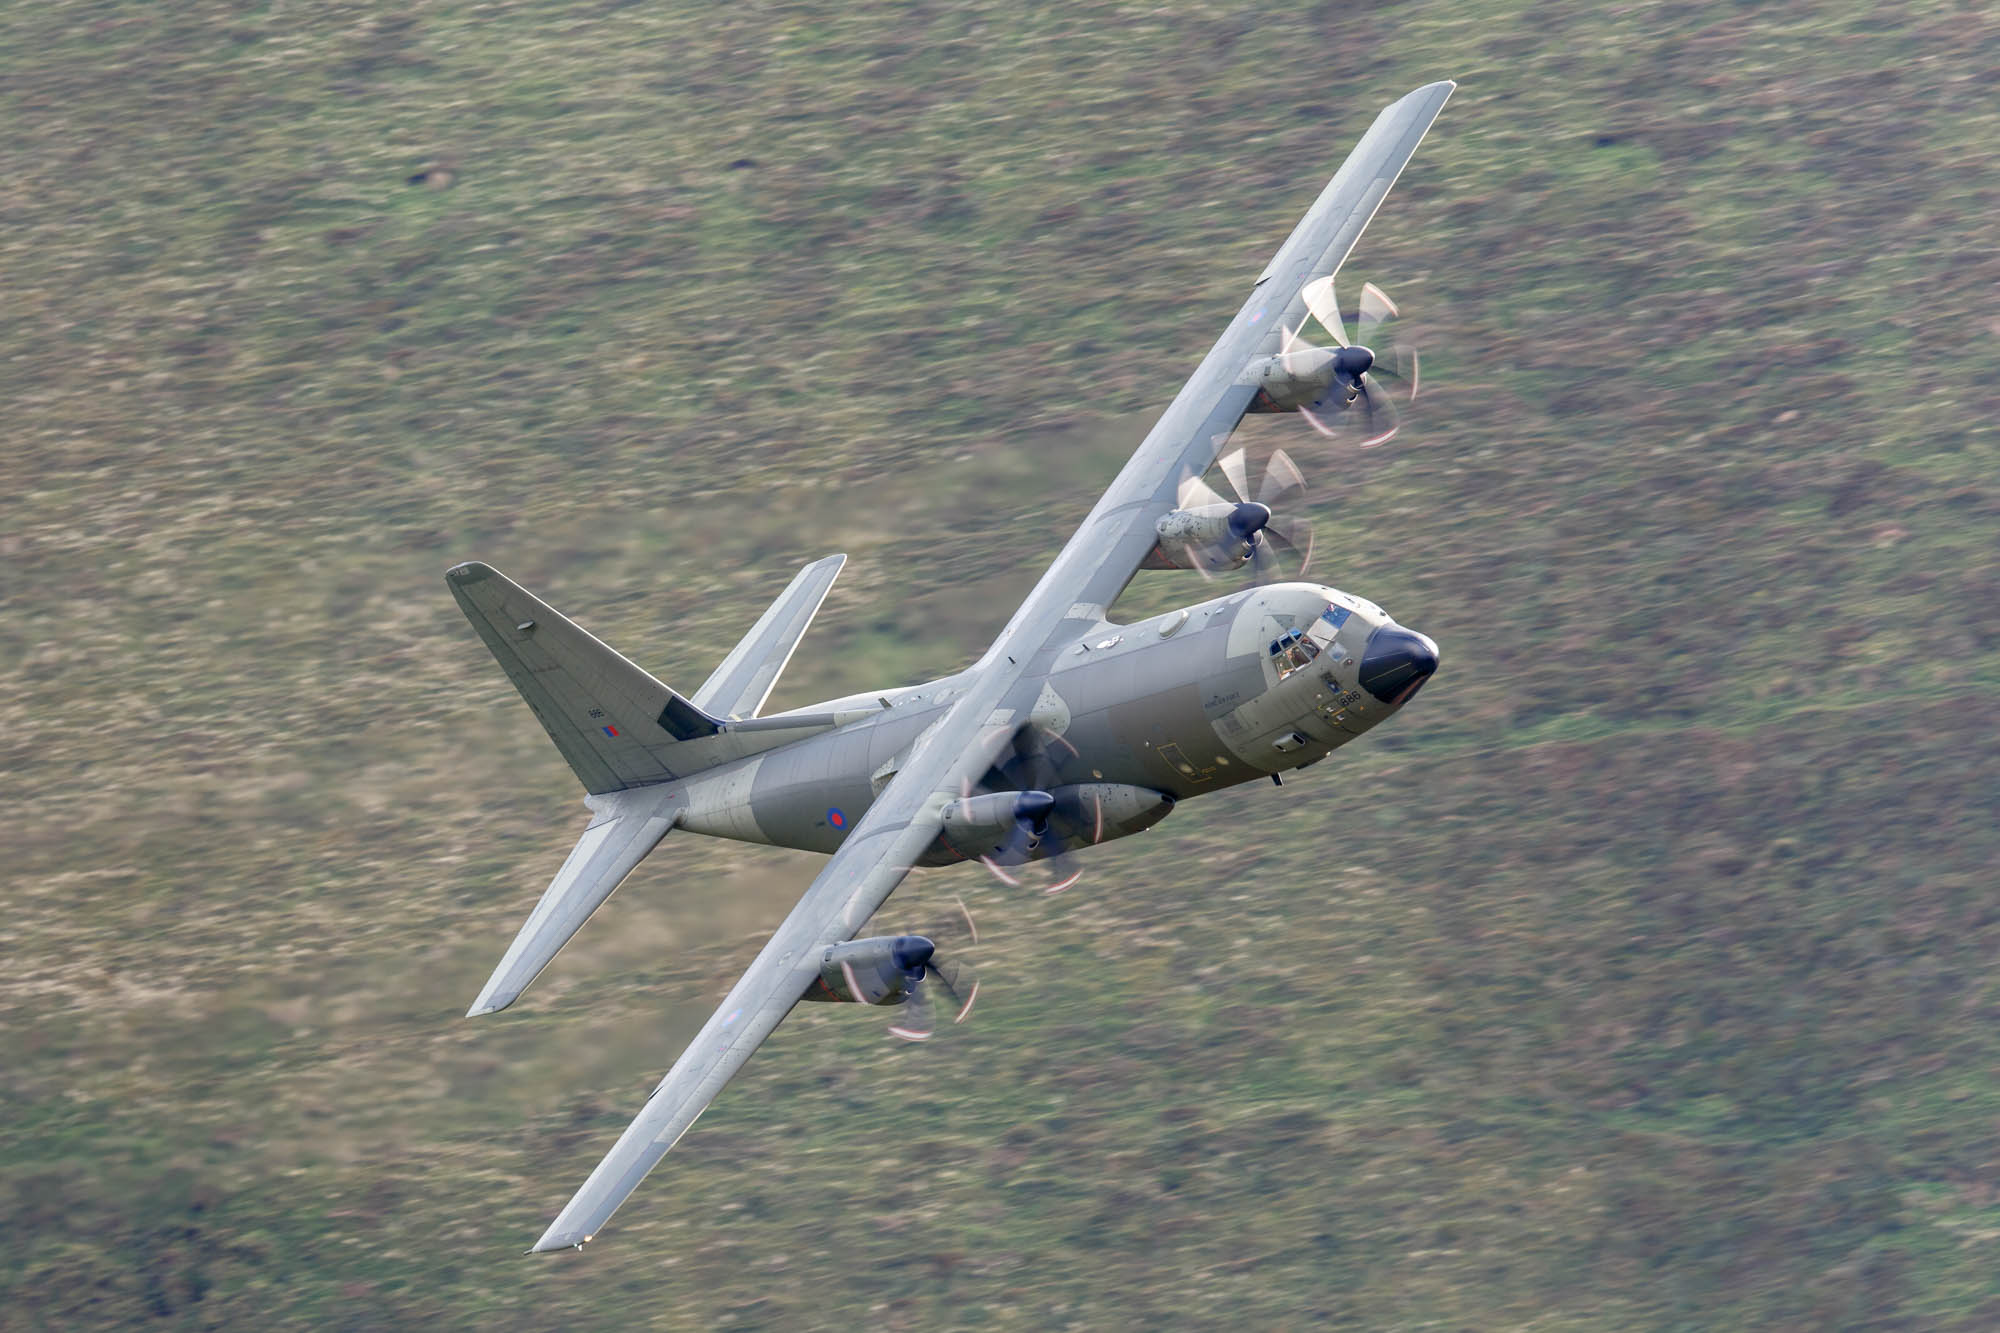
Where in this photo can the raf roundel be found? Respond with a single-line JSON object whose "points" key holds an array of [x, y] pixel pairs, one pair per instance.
{"points": [[835, 818]]}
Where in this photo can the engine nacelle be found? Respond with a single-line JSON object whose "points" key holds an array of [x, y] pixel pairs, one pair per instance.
{"points": [[978, 826], [1092, 812], [1216, 537], [878, 970], [1292, 380], [995, 812]]}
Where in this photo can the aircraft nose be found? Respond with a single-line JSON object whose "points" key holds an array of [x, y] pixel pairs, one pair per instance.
{"points": [[1396, 662]]}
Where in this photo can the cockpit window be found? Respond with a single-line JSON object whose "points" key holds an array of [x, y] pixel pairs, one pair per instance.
{"points": [[1296, 648], [1291, 651]]}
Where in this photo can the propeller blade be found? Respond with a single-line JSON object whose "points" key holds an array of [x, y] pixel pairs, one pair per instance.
{"points": [[1375, 307], [1404, 369], [1320, 300], [965, 915], [1232, 468], [1283, 482], [1063, 869], [996, 866], [1263, 564], [1316, 421], [933, 963], [1295, 534], [1286, 343], [914, 1020], [1380, 411], [1194, 493], [960, 985]]}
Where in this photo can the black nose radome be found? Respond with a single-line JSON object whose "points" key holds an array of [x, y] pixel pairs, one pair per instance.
{"points": [[911, 952], [1396, 663]]}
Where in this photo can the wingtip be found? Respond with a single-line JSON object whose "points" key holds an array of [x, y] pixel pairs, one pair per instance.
{"points": [[486, 1004], [469, 571], [1446, 87]]}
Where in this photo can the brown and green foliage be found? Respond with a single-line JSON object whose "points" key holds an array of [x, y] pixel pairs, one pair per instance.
{"points": [[1640, 976]]}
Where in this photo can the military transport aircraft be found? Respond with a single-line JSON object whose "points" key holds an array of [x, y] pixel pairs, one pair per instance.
{"points": [[1070, 729]]}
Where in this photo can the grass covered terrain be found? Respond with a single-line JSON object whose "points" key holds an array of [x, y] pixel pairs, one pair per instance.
{"points": [[1639, 976]]}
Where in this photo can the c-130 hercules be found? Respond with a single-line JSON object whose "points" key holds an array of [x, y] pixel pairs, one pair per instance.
{"points": [[1070, 729]]}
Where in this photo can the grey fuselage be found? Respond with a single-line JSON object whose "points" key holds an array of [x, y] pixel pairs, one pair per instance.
{"points": [[1254, 683]]}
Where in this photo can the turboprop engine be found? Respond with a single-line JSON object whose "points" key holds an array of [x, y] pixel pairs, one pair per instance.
{"points": [[1092, 812], [1206, 532], [882, 969], [1211, 537], [1009, 828], [900, 970], [1324, 385]]}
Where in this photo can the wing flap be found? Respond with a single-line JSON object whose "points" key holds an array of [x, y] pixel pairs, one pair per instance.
{"points": [[628, 825]]}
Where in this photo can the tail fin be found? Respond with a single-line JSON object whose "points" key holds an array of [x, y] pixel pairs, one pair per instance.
{"points": [[740, 685], [616, 725]]}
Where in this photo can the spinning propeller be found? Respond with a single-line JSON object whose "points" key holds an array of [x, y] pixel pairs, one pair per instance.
{"points": [[1046, 825], [925, 969], [1355, 365], [1030, 811], [1257, 522]]}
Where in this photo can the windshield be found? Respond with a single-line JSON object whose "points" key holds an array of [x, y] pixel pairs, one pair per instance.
{"points": [[1296, 648], [1291, 651]]}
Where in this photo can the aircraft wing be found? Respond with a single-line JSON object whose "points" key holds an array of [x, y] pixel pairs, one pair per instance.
{"points": [[1101, 558], [1082, 583], [898, 828]]}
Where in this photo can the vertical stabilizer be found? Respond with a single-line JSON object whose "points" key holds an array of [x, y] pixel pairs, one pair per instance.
{"points": [[616, 725]]}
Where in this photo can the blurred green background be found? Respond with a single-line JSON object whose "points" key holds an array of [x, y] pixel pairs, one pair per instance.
{"points": [[1640, 975]]}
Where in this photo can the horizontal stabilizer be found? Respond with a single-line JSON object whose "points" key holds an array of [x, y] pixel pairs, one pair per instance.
{"points": [[739, 687], [627, 826], [615, 724]]}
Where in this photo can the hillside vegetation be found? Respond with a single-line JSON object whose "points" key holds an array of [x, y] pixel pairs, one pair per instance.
{"points": [[1639, 976]]}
